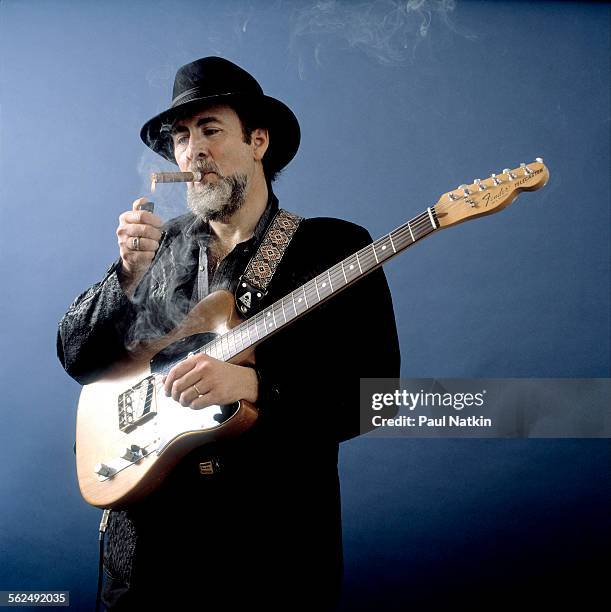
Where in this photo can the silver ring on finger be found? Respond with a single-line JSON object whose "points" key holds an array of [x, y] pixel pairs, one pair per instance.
{"points": [[136, 243]]}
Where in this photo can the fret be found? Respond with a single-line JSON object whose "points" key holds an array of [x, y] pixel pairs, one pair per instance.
{"points": [[330, 282], [312, 291], [294, 305], [256, 330], [278, 308], [230, 339], [263, 321], [283, 312], [373, 247], [240, 339], [274, 317], [267, 320], [344, 272], [224, 350], [304, 296], [219, 348], [260, 319], [316, 286], [358, 262], [410, 232], [231, 342], [392, 243], [417, 224]]}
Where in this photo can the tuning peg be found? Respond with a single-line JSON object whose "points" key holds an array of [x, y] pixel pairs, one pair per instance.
{"points": [[509, 173], [479, 184], [452, 196], [526, 169], [539, 160], [465, 189], [495, 180]]}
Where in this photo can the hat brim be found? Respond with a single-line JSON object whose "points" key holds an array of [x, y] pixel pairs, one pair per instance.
{"points": [[284, 131]]}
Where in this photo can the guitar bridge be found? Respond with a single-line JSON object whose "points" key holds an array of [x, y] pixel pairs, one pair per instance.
{"points": [[137, 404]]}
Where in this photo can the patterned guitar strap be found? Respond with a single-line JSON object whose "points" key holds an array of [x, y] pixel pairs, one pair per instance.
{"points": [[261, 268]]}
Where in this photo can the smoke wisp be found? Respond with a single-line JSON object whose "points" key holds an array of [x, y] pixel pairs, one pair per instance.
{"points": [[386, 30]]}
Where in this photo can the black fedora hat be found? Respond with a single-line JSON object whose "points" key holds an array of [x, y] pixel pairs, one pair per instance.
{"points": [[214, 80]]}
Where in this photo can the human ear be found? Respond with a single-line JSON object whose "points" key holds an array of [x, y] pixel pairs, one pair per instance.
{"points": [[260, 142]]}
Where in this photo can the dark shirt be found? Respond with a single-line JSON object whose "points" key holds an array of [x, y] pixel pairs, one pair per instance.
{"points": [[278, 497]]}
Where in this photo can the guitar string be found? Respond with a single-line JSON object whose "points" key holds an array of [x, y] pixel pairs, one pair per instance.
{"points": [[418, 224], [413, 226], [363, 256], [237, 334]]}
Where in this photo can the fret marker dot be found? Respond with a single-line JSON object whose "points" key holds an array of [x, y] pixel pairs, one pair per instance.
{"points": [[269, 314], [299, 300], [324, 284], [383, 247], [351, 266]]}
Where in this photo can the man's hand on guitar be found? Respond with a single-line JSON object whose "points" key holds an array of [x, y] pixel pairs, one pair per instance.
{"points": [[200, 381], [138, 235]]}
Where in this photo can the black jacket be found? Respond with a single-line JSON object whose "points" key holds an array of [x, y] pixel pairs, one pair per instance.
{"points": [[281, 477]]}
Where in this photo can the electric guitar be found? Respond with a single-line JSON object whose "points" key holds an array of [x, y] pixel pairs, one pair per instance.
{"points": [[130, 435]]}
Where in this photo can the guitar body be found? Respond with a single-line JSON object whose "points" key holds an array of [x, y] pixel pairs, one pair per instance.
{"points": [[129, 435]]}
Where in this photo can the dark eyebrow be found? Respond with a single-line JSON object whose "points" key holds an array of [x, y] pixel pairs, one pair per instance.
{"points": [[202, 121]]}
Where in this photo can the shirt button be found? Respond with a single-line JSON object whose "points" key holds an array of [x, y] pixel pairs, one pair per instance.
{"points": [[201, 268]]}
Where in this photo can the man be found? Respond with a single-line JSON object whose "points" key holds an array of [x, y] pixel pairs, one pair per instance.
{"points": [[264, 528]]}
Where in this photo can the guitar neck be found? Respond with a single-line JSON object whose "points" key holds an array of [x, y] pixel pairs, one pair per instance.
{"points": [[319, 289]]}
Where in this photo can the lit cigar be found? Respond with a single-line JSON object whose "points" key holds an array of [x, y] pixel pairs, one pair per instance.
{"points": [[175, 177]]}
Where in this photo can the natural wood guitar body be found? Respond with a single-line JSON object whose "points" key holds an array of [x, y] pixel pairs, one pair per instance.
{"points": [[165, 436]]}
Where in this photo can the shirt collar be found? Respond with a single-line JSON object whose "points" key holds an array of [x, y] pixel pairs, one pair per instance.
{"points": [[200, 230]]}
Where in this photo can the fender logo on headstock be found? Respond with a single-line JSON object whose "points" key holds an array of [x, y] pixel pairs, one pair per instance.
{"points": [[488, 197]]}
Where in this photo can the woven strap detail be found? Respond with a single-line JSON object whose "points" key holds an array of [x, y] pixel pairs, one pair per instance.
{"points": [[263, 264]]}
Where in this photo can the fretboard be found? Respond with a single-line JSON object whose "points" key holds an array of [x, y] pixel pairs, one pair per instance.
{"points": [[319, 289]]}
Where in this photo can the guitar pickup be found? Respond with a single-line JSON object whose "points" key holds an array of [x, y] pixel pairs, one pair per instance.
{"points": [[137, 404]]}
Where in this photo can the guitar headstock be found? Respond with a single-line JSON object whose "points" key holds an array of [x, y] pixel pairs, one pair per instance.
{"points": [[484, 197]]}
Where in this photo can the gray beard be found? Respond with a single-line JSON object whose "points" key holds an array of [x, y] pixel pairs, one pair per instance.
{"points": [[218, 201]]}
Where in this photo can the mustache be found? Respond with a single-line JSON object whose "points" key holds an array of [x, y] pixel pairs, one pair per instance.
{"points": [[204, 166]]}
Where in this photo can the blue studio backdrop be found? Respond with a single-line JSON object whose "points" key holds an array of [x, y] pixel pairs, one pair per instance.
{"points": [[398, 102]]}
